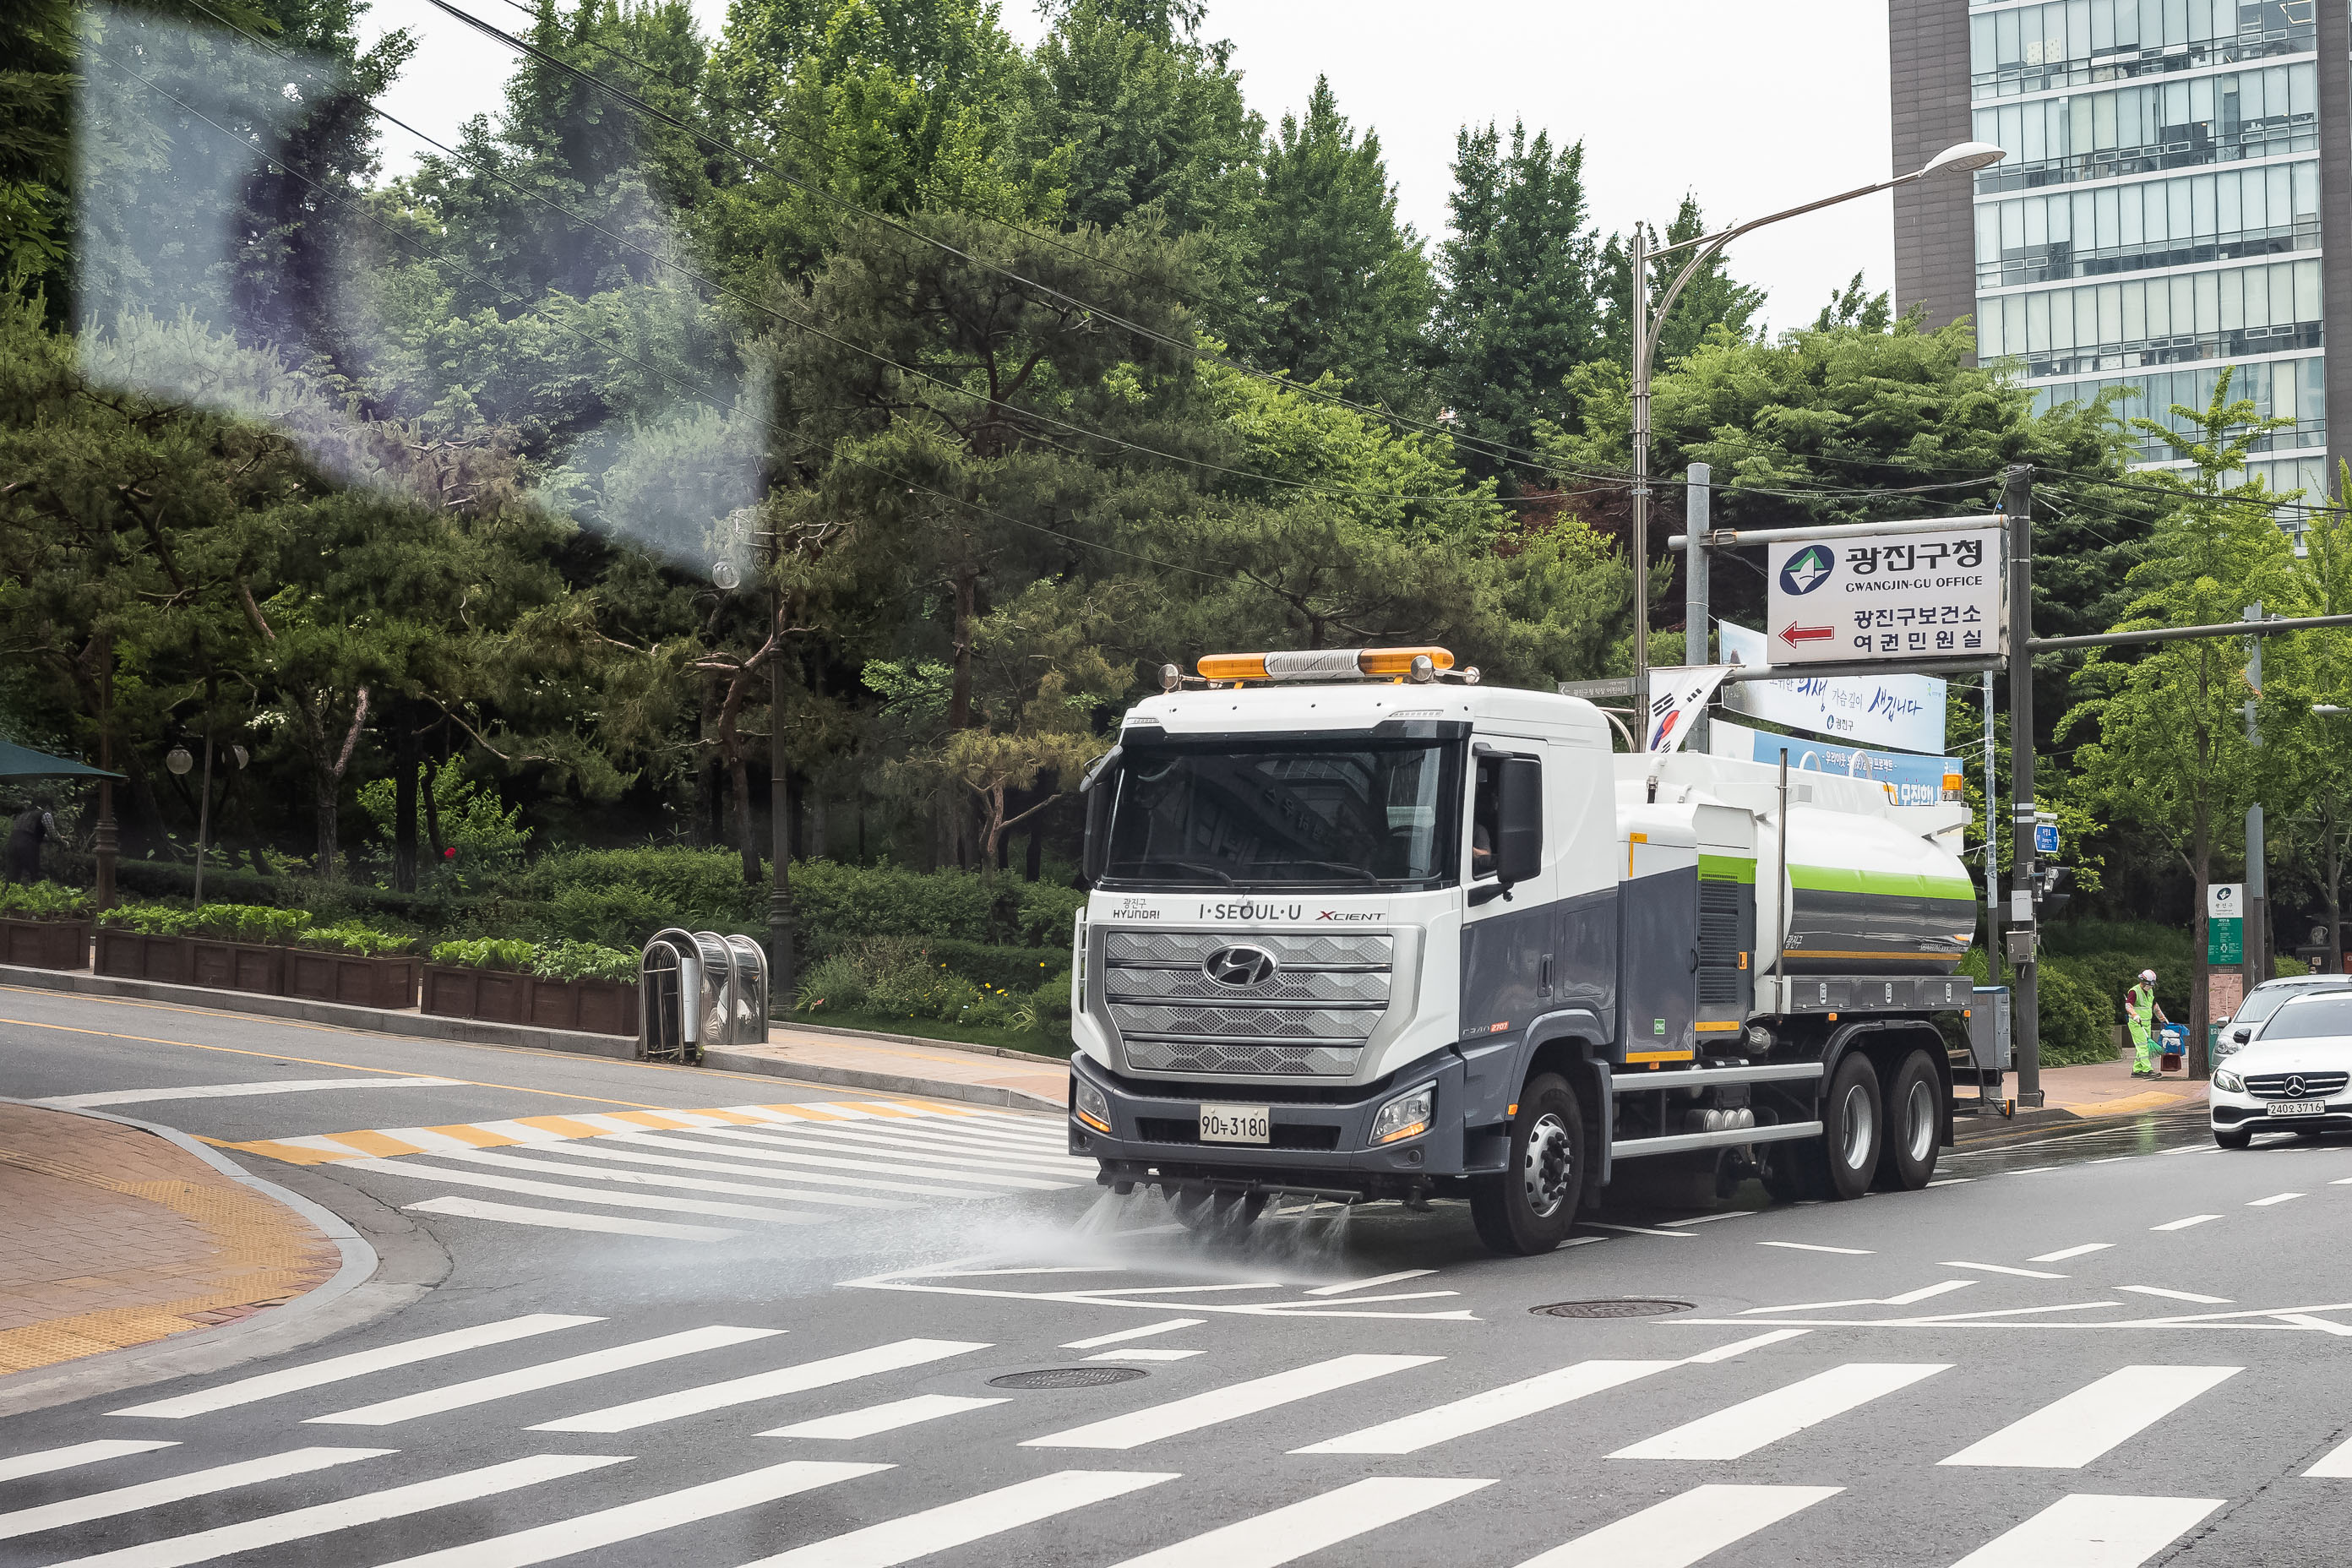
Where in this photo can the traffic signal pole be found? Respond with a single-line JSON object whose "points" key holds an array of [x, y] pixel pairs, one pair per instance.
{"points": [[2023, 930]]}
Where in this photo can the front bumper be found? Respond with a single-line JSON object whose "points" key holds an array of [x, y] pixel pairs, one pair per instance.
{"points": [[2230, 1112], [1319, 1137]]}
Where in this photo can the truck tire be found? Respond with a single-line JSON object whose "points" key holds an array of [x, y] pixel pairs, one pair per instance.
{"points": [[1530, 1208], [1795, 1172], [1914, 1127], [1853, 1126]]}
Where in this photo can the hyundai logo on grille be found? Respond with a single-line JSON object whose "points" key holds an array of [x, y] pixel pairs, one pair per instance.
{"points": [[1239, 966], [2294, 1087]]}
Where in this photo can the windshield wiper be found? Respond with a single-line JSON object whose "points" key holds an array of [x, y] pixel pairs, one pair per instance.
{"points": [[1188, 866], [1333, 865]]}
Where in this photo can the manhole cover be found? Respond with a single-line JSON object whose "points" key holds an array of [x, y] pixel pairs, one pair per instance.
{"points": [[1622, 1309], [1068, 1377]]}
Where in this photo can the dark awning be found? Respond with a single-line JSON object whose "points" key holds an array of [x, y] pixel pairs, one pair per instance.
{"points": [[23, 763]]}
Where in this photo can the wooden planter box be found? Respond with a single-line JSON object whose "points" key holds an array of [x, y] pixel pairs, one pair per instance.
{"points": [[45, 944], [495, 995], [131, 956], [237, 965], [347, 977], [593, 1006]]}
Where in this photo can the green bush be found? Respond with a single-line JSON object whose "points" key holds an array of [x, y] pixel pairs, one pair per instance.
{"points": [[485, 952], [1009, 968], [148, 919], [836, 904], [41, 901], [585, 961], [836, 984], [362, 940], [247, 922], [2074, 1030], [1047, 911]]}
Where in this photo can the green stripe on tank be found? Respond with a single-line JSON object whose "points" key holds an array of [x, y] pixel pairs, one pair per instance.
{"points": [[1728, 869], [1895, 884]]}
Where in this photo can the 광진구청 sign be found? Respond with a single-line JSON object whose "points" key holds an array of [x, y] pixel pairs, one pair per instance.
{"points": [[1894, 597]]}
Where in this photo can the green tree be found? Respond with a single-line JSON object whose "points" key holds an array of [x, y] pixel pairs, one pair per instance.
{"points": [[1345, 288], [1518, 310], [2170, 751], [1712, 297]]}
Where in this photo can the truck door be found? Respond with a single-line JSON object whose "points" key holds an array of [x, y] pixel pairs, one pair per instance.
{"points": [[1510, 971]]}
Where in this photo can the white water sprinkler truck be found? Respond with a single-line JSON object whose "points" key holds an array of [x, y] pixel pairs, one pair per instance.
{"points": [[1361, 927]]}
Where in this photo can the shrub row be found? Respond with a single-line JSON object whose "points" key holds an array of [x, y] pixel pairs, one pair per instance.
{"points": [[561, 960], [897, 977], [41, 901], [262, 924]]}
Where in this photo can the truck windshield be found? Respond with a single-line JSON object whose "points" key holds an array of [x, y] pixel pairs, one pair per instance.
{"points": [[1309, 814]]}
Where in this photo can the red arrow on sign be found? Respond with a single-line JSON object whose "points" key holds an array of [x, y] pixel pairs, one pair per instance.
{"points": [[1794, 634]]}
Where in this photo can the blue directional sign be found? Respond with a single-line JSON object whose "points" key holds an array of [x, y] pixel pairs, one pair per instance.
{"points": [[2045, 838]]}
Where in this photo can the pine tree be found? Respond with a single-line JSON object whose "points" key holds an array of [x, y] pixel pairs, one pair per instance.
{"points": [[1520, 311], [1345, 288], [1711, 298]]}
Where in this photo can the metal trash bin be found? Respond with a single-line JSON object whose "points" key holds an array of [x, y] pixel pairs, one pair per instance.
{"points": [[698, 990]]}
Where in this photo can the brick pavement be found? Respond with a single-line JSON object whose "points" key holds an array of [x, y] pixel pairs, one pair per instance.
{"points": [[112, 1236]]}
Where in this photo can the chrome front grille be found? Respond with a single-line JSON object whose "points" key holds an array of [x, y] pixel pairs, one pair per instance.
{"points": [[2276, 1085], [1313, 949], [1309, 1018], [1193, 1056]]}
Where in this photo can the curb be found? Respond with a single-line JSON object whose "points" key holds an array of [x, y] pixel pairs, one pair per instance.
{"points": [[334, 1014], [311, 1316], [475, 1032], [835, 1029], [885, 1082]]}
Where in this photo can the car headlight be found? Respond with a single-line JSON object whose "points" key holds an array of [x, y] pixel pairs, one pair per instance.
{"points": [[2224, 1079], [1406, 1116], [1089, 1104]]}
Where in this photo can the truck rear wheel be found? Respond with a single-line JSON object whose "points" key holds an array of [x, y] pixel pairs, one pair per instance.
{"points": [[1915, 1125], [1853, 1126], [1531, 1205]]}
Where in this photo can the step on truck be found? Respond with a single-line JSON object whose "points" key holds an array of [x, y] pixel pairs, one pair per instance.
{"points": [[1361, 927]]}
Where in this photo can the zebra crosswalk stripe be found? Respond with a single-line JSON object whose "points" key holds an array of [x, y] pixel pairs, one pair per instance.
{"points": [[359, 1363], [2071, 1432], [895, 1356], [971, 1518], [632, 1520], [1685, 1529], [1285, 1534], [670, 1182], [50, 1461], [1410, 1433], [928, 1144], [879, 1418], [869, 1177], [546, 1374], [633, 1155], [2089, 1528], [527, 1188], [2335, 1464], [877, 1163], [1741, 1429], [177, 1489], [1231, 1403], [323, 1519]]}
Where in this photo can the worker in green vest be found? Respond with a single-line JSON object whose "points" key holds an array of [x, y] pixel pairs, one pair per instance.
{"points": [[2141, 1015]]}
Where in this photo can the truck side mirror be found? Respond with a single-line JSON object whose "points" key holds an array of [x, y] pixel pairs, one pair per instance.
{"points": [[1099, 786], [1518, 819]]}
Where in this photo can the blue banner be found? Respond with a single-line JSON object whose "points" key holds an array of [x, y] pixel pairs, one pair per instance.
{"points": [[1915, 780]]}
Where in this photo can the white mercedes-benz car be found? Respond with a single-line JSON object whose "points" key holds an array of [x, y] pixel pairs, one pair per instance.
{"points": [[2290, 1075]]}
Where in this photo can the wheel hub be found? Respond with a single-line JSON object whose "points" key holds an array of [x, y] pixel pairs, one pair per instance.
{"points": [[1857, 1119], [1544, 1172], [1920, 1110]]}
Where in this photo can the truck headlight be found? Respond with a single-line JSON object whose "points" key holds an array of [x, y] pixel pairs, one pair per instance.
{"points": [[1406, 1116], [1089, 1104], [2228, 1081]]}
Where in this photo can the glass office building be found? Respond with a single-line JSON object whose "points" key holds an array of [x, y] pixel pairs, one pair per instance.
{"points": [[2174, 185]]}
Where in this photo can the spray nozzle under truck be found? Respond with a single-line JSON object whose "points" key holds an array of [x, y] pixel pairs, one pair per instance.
{"points": [[1361, 927]]}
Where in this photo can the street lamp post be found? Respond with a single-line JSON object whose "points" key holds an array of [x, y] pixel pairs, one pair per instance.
{"points": [[1964, 158]]}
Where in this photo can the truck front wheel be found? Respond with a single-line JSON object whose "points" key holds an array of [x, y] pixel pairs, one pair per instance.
{"points": [[1530, 1206]]}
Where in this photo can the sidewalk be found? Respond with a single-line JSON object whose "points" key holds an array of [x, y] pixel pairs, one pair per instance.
{"points": [[112, 1236], [2108, 1088]]}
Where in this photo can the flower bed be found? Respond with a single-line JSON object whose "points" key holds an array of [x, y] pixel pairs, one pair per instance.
{"points": [[236, 966], [562, 985], [44, 926], [353, 964]]}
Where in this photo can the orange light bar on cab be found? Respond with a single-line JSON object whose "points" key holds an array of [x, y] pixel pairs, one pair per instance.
{"points": [[1332, 664]]}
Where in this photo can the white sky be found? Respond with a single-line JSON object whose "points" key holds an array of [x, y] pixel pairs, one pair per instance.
{"points": [[1753, 107]]}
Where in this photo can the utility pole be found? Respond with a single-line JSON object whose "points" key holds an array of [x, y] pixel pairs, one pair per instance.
{"points": [[2025, 1017], [2256, 957], [1643, 347], [1696, 623], [1991, 848]]}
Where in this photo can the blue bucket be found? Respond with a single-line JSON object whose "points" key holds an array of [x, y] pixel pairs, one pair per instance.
{"points": [[2174, 1039]]}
